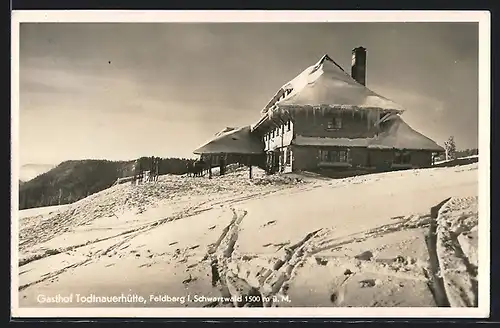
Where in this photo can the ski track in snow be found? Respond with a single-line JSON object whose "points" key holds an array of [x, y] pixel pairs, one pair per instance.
{"points": [[38, 229], [448, 268]]}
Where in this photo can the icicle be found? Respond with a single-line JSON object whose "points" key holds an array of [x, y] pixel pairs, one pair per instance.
{"points": [[379, 115]]}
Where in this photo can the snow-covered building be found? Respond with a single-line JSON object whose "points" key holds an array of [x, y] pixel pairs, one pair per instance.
{"points": [[327, 119], [233, 145]]}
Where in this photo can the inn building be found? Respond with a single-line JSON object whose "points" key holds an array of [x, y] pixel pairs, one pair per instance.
{"points": [[327, 120]]}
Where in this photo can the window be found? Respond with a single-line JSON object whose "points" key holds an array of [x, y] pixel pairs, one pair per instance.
{"points": [[338, 123], [289, 125], [402, 157], [272, 134], [335, 156], [335, 123], [288, 156]]}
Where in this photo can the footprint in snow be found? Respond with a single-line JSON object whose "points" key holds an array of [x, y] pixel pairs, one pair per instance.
{"points": [[189, 279], [338, 296], [368, 283], [365, 256], [321, 261], [269, 223]]}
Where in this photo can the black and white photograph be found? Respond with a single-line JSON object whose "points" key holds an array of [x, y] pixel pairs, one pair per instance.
{"points": [[188, 164]]}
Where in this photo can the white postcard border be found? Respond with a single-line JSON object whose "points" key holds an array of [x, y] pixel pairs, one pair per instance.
{"points": [[91, 16]]}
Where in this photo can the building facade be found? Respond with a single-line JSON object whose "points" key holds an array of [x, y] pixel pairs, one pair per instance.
{"points": [[328, 120]]}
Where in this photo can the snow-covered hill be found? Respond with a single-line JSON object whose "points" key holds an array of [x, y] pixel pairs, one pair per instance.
{"points": [[291, 240]]}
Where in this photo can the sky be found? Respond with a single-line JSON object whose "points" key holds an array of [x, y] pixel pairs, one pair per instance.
{"points": [[119, 91]]}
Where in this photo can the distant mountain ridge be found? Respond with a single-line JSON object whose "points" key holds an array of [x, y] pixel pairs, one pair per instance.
{"points": [[73, 180]]}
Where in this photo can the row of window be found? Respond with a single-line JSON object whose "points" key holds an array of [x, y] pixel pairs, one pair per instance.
{"points": [[288, 157], [285, 155], [335, 156], [402, 158], [335, 123], [278, 131], [281, 129], [343, 156], [276, 161]]}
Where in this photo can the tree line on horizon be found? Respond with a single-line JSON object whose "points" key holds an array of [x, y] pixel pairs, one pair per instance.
{"points": [[73, 180], [451, 151]]}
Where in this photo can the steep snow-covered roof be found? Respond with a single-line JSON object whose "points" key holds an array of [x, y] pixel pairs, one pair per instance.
{"points": [[326, 83], [235, 141], [395, 134]]}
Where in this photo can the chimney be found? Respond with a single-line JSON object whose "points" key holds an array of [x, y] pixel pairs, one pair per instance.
{"points": [[358, 68]]}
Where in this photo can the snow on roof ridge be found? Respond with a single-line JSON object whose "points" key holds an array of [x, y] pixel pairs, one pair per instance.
{"points": [[326, 82], [288, 84], [326, 57]]}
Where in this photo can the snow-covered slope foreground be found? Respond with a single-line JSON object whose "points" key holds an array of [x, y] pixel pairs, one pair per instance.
{"points": [[275, 241], [40, 211]]}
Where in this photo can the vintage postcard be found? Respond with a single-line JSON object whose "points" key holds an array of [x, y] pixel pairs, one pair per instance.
{"points": [[250, 163]]}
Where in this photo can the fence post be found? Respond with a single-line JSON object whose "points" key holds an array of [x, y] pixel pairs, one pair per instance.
{"points": [[249, 160], [210, 166]]}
